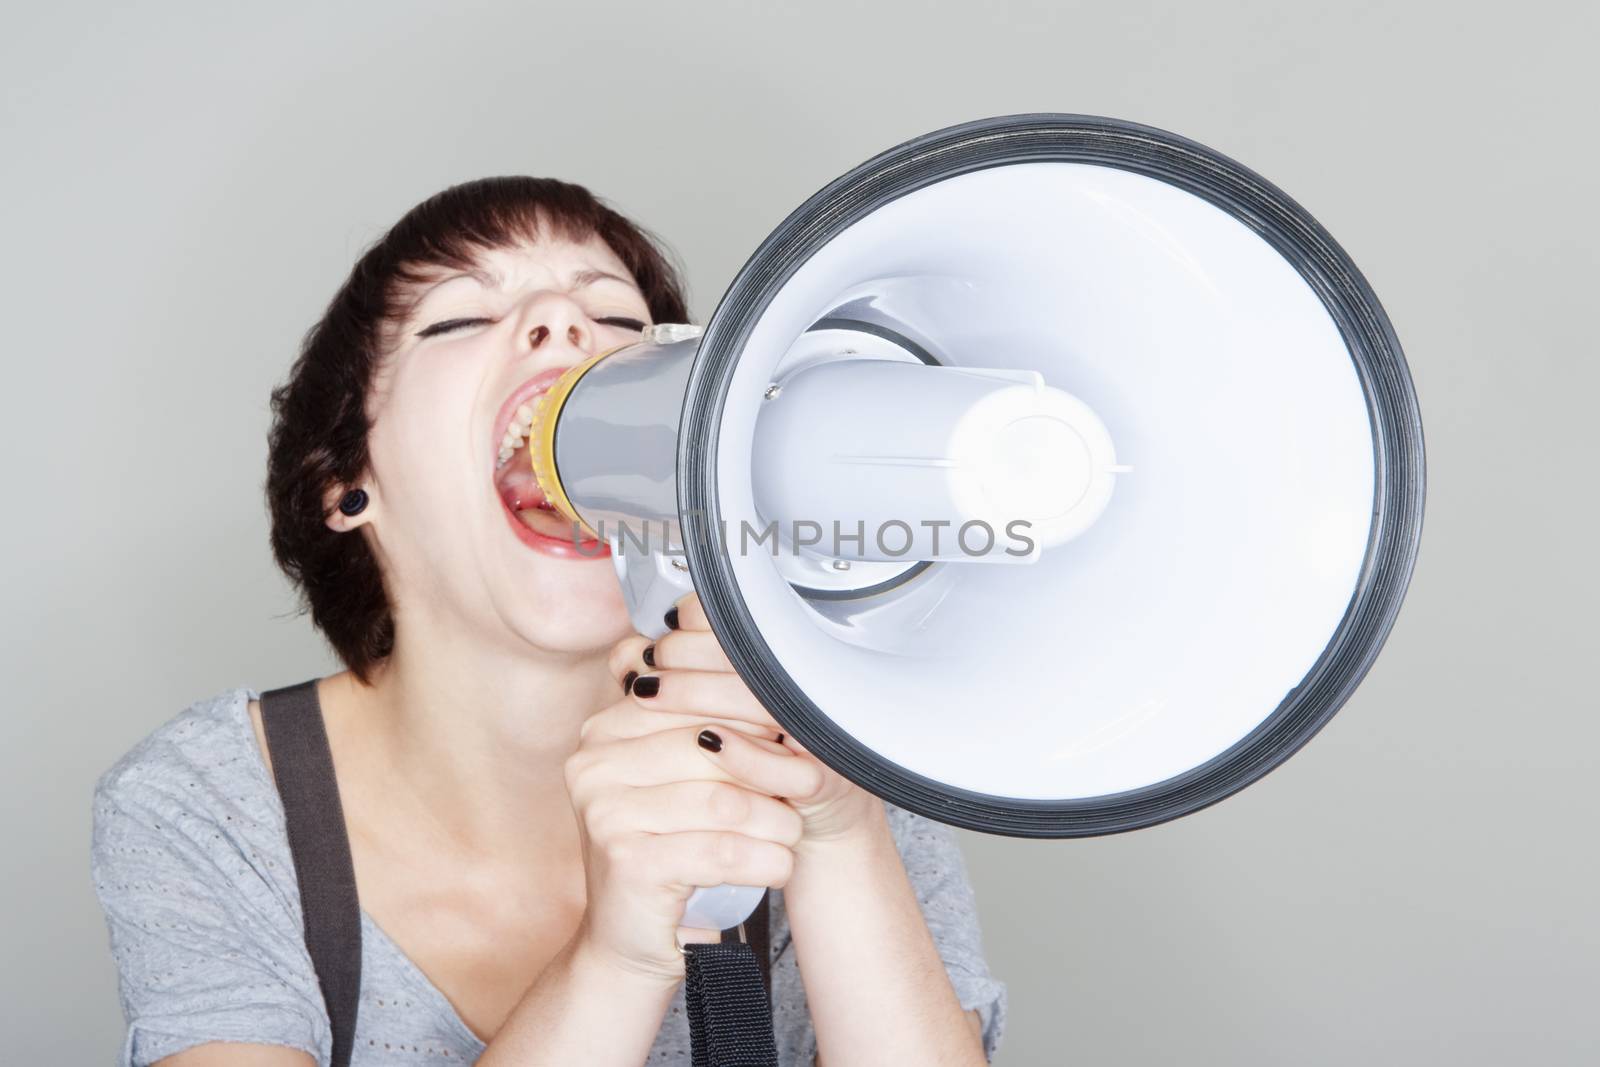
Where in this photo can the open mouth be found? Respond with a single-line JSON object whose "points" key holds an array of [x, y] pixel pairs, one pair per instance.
{"points": [[534, 519]]}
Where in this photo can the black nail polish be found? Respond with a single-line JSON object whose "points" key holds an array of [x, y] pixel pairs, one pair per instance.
{"points": [[627, 681], [647, 686], [709, 741], [672, 618], [780, 739], [649, 655]]}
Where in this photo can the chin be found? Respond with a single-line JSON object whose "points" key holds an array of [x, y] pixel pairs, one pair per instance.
{"points": [[572, 608]]}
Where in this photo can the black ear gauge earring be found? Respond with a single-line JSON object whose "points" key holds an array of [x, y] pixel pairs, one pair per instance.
{"points": [[354, 502]]}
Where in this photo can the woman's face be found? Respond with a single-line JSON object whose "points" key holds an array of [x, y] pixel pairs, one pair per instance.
{"points": [[465, 545]]}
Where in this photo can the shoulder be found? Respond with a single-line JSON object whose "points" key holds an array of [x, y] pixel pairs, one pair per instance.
{"points": [[193, 798], [204, 760], [191, 865], [190, 743]]}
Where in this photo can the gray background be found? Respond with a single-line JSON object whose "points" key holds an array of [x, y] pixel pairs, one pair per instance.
{"points": [[184, 188]]}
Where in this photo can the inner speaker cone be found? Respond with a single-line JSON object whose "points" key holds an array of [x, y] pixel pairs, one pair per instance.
{"points": [[846, 336]]}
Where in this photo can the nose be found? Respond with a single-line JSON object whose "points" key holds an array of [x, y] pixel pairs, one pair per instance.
{"points": [[554, 321]]}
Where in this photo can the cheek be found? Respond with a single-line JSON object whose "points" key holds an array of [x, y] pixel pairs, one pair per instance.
{"points": [[421, 442]]}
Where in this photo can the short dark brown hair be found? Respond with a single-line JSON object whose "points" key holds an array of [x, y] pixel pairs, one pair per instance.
{"points": [[318, 440]]}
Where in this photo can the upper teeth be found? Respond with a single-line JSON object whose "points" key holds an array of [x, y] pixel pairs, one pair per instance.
{"points": [[516, 434]]}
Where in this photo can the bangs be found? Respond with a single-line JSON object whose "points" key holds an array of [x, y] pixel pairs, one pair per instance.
{"points": [[450, 232]]}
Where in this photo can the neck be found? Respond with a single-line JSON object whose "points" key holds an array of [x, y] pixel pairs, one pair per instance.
{"points": [[477, 734]]}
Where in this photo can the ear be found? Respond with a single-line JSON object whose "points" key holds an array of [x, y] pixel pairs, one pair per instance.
{"points": [[337, 520]]}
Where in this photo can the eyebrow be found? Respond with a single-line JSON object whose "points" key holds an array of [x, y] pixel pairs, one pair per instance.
{"points": [[488, 280], [589, 277]]}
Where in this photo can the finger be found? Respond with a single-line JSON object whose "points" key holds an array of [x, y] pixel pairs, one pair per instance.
{"points": [[626, 719], [679, 755], [707, 857], [714, 693], [763, 765], [678, 807], [687, 614], [690, 650], [625, 656]]}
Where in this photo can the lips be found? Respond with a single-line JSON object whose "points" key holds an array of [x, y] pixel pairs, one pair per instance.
{"points": [[526, 393], [531, 517]]}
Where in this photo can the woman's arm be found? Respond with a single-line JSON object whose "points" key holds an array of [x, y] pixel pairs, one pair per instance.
{"points": [[583, 1009], [878, 990], [580, 1010], [230, 1054]]}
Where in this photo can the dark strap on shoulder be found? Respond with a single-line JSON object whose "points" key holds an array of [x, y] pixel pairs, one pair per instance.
{"points": [[728, 997], [302, 763], [730, 1016], [757, 934]]}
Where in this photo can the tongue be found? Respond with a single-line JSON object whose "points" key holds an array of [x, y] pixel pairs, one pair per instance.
{"points": [[520, 490], [516, 483]]}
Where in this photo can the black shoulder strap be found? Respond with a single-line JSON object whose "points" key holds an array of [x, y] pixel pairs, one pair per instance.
{"points": [[728, 997], [757, 933], [302, 763], [730, 1014]]}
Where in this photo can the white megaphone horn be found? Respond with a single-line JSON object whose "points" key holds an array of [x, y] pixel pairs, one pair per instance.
{"points": [[1047, 475]]}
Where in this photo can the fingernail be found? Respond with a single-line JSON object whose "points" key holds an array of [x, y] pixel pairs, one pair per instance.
{"points": [[780, 739], [671, 618], [627, 681], [709, 741], [648, 686], [650, 656]]}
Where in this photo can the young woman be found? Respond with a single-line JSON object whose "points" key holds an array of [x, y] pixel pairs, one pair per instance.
{"points": [[530, 791]]}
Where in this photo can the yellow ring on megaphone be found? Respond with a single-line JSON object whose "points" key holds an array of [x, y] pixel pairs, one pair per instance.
{"points": [[542, 437]]}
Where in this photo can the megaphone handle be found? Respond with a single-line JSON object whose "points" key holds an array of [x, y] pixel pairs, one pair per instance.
{"points": [[651, 585], [721, 907]]}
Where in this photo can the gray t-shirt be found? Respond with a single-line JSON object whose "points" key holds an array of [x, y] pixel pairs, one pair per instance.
{"points": [[192, 866]]}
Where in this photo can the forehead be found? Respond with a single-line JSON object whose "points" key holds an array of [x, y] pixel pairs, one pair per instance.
{"points": [[536, 258], [542, 260]]}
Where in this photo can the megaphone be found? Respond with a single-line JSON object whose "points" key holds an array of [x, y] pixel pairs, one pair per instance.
{"points": [[1046, 475]]}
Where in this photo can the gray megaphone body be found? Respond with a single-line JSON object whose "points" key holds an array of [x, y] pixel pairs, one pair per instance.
{"points": [[1037, 407]]}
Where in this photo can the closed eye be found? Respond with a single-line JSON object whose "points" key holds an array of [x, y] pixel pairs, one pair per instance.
{"points": [[620, 321], [450, 324]]}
